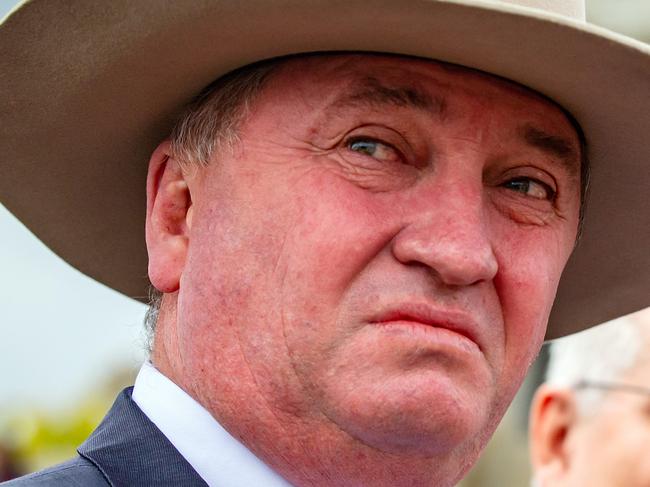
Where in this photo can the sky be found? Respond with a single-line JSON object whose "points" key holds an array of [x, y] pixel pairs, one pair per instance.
{"points": [[61, 332]]}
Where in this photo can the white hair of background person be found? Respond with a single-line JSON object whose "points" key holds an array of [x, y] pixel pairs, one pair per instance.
{"points": [[601, 354]]}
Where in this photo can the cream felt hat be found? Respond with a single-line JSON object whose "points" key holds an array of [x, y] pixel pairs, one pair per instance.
{"points": [[89, 87]]}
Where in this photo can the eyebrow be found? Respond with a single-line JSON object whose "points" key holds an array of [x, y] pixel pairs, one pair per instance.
{"points": [[554, 145], [371, 92]]}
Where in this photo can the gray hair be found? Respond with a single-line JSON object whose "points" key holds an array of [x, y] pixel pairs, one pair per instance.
{"points": [[210, 122], [600, 354]]}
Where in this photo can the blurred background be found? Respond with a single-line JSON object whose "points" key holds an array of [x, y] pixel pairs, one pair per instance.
{"points": [[69, 344]]}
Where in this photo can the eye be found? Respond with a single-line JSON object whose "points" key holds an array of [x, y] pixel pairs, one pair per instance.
{"points": [[374, 148], [531, 188]]}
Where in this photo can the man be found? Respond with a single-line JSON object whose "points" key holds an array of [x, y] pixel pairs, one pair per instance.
{"points": [[589, 422], [357, 253]]}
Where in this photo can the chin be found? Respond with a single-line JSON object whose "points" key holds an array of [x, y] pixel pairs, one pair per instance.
{"points": [[425, 419]]}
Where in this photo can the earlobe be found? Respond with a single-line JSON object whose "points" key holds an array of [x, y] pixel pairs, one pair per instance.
{"points": [[169, 209], [552, 417]]}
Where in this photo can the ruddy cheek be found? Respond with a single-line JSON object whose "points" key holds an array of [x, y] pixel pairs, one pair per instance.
{"points": [[339, 229], [529, 272]]}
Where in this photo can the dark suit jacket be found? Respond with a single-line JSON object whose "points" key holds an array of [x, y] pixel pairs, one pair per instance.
{"points": [[125, 449]]}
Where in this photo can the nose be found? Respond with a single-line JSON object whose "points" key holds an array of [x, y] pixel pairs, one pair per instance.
{"points": [[449, 233]]}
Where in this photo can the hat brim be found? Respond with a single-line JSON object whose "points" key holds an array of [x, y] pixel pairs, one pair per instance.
{"points": [[89, 88]]}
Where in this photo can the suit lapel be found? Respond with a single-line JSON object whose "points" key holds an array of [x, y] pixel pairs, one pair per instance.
{"points": [[130, 450]]}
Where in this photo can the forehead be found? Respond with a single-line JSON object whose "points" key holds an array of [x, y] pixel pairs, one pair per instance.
{"points": [[314, 90], [428, 83]]}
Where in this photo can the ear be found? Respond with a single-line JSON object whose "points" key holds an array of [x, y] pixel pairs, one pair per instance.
{"points": [[169, 212], [553, 415]]}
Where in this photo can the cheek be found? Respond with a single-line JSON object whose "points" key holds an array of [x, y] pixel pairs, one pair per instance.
{"points": [[531, 260], [340, 229], [231, 278], [629, 435], [610, 453]]}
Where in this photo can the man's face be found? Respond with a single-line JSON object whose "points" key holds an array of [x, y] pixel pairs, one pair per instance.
{"points": [[375, 263], [608, 447]]}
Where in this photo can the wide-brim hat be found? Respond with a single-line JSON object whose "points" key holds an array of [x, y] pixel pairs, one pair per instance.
{"points": [[89, 87]]}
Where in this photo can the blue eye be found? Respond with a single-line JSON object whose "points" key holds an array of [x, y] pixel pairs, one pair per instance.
{"points": [[531, 188], [367, 147], [375, 149]]}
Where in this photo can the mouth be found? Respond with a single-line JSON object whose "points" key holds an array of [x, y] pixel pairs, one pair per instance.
{"points": [[430, 322]]}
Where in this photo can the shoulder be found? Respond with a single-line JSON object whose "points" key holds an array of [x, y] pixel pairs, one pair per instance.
{"points": [[75, 472]]}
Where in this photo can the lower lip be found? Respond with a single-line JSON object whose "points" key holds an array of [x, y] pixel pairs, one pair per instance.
{"points": [[429, 334]]}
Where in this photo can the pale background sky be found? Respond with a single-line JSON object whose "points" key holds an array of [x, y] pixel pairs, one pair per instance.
{"points": [[60, 332]]}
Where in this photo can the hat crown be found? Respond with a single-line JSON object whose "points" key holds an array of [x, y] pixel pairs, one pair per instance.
{"points": [[574, 9]]}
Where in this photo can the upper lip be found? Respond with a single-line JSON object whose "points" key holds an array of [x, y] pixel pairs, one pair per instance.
{"points": [[457, 321]]}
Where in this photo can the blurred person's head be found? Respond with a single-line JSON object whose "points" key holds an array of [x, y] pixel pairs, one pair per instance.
{"points": [[590, 420]]}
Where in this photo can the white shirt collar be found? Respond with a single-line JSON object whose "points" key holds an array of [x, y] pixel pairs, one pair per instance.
{"points": [[220, 459]]}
